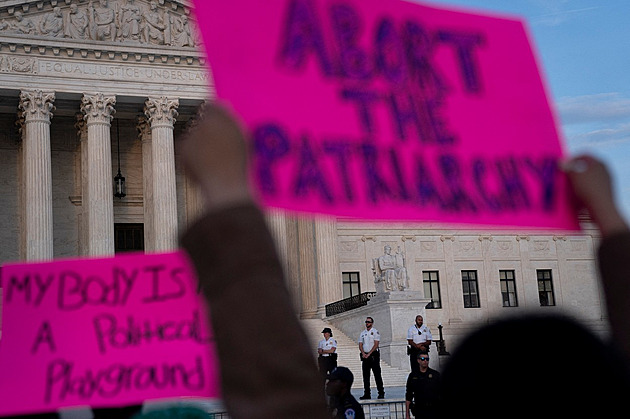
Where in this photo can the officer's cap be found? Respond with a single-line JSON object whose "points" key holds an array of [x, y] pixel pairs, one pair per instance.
{"points": [[343, 374], [327, 330]]}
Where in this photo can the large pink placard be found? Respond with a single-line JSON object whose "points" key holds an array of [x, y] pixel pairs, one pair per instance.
{"points": [[103, 332], [389, 109]]}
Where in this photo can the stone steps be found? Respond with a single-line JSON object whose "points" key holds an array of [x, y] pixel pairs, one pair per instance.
{"points": [[348, 355]]}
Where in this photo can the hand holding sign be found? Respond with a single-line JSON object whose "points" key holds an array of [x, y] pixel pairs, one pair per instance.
{"points": [[389, 110]]}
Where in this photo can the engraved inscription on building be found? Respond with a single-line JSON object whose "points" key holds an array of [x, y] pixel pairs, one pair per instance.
{"points": [[116, 72]]}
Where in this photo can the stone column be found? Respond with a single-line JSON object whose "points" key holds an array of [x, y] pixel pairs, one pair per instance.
{"points": [[308, 268], [161, 113], [36, 111], [276, 221], [98, 111], [144, 131], [329, 276], [194, 200], [293, 262], [81, 128]]}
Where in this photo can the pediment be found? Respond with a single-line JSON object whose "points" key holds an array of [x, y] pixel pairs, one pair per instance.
{"points": [[111, 28]]}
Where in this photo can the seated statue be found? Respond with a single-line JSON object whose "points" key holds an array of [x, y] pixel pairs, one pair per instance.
{"points": [[390, 270]]}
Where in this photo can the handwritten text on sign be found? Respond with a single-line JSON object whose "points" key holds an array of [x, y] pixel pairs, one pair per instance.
{"points": [[106, 332], [389, 109]]}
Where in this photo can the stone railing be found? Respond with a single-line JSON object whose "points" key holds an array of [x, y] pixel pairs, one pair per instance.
{"points": [[348, 304]]}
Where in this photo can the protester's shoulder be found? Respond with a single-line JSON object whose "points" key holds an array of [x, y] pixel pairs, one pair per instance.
{"points": [[351, 408]]}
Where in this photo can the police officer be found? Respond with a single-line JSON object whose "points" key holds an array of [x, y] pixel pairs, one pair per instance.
{"points": [[343, 404], [419, 339], [327, 359], [423, 393], [370, 359]]}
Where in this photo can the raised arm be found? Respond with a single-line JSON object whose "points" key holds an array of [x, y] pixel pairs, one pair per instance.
{"points": [[592, 186], [242, 280]]}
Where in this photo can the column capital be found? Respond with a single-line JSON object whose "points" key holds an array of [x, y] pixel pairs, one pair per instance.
{"points": [[81, 126], [36, 105], [192, 122], [143, 127], [98, 108], [161, 111]]}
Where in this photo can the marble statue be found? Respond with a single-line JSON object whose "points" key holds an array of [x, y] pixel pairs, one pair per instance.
{"points": [[390, 270]]}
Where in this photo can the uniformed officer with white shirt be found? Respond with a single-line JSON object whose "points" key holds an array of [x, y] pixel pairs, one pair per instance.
{"points": [[327, 359], [419, 339], [370, 359]]}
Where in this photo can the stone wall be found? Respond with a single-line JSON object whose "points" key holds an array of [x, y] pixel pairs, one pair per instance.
{"points": [[447, 250]]}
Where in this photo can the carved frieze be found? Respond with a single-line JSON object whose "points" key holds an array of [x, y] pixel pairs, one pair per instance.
{"points": [[467, 248], [124, 21], [15, 64], [349, 246]]}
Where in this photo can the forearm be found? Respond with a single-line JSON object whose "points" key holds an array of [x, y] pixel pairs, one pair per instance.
{"points": [[614, 265], [242, 280]]}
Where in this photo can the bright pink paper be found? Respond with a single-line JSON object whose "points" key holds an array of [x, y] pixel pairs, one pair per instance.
{"points": [[92, 332], [388, 109]]}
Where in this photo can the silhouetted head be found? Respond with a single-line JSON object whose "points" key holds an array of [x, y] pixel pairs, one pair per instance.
{"points": [[543, 366]]}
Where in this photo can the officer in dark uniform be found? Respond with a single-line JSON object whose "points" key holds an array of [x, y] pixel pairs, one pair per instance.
{"points": [[343, 404], [423, 393]]}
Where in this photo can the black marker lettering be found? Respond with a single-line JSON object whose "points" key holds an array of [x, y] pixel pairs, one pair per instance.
{"points": [[465, 44], [419, 49], [479, 176], [341, 152], [64, 381], [162, 288], [347, 26], [425, 187], [303, 36], [42, 287], [22, 285], [459, 200], [120, 276], [390, 52], [44, 335], [364, 100], [310, 175], [375, 183], [69, 295], [514, 191], [546, 171], [271, 143]]}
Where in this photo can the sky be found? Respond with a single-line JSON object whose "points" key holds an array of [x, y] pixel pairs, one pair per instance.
{"points": [[583, 48]]}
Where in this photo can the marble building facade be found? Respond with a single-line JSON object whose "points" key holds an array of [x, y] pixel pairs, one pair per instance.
{"points": [[80, 79]]}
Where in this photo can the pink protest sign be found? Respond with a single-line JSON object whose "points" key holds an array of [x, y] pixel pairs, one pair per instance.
{"points": [[389, 109], [103, 332]]}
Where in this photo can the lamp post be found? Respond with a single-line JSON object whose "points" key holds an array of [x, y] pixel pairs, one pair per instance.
{"points": [[119, 179], [441, 344]]}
